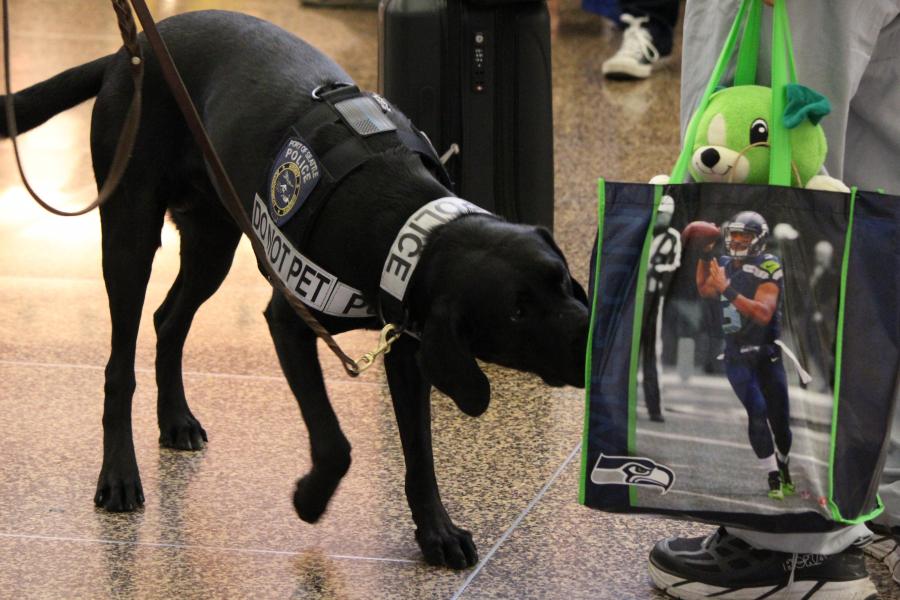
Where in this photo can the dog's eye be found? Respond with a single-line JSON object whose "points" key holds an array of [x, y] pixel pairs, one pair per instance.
{"points": [[759, 131], [517, 315]]}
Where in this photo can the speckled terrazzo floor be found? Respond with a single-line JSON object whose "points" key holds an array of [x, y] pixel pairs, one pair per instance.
{"points": [[219, 523]]}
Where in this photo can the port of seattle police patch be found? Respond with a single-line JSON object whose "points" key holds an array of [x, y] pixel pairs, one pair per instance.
{"points": [[294, 176]]}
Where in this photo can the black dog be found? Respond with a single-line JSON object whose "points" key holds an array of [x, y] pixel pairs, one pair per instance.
{"points": [[484, 288]]}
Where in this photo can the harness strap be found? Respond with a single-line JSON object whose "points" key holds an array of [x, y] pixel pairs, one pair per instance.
{"points": [[328, 110], [345, 158]]}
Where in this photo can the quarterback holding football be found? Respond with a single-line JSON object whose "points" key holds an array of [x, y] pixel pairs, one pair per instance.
{"points": [[749, 284]]}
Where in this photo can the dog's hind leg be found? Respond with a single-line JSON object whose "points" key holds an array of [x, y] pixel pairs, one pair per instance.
{"points": [[295, 344], [207, 250], [131, 222]]}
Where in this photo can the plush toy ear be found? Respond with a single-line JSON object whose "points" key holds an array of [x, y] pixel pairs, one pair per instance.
{"points": [[804, 103], [449, 364]]}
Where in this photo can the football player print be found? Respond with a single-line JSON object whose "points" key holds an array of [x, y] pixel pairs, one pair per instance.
{"points": [[749, 284]]}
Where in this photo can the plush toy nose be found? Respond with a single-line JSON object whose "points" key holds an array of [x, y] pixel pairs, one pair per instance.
{"points": [[710, 157]]}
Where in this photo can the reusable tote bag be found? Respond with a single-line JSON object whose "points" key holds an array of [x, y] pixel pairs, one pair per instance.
{"points": [[781, 326]]}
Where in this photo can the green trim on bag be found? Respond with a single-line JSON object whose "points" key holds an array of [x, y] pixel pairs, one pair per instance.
{"points": [[601, 210], [638, 322], [748, 51], [782, 71], [839, 356], [879, 508], [680, 169], [838, 363]]}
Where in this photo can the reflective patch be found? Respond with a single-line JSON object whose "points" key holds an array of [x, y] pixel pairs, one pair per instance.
{"points": [[294, 176], [307, 281], [364, 115], [409, 243]]}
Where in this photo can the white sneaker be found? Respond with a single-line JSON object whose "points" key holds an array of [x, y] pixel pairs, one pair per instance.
{"points": [[887, 550], [637, 55]]}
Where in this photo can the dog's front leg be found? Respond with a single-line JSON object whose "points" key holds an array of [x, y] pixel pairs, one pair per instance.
{"points": [[295, 345], [442, 542]]}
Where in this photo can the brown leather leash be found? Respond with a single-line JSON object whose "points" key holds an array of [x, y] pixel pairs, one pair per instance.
{"points": [[221, 182], [129, 128]]}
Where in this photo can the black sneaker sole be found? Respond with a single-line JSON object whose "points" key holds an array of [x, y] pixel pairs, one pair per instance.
{"points": [[684, 589]]}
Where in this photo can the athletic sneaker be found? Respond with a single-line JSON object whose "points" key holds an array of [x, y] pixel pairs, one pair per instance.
{"points": [[638, 54], [775, 486], [787, 486], [886, 549], [724, 566]]}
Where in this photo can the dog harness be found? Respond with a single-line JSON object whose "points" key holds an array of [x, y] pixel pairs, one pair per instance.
{"points": [[303, 176]]}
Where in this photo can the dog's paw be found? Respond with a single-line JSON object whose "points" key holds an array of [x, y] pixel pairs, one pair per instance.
{"points": [[118, 493], [182, 433], [447, 546], [312, 494], [309, 500]]}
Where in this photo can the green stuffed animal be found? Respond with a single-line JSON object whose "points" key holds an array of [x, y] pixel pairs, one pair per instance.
{"points": [[733, 134]]}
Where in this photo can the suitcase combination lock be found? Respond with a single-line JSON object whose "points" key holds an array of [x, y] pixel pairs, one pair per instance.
{"points": [[478, 77]]}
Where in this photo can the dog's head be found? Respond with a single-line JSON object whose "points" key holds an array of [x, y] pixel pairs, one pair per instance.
{"points": [[501, 293]]}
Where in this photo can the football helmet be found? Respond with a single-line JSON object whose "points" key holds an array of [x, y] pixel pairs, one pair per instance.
{"points": [[750, 223]]}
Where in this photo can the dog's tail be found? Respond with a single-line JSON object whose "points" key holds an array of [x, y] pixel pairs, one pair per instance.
{"points": [[36, 104]]}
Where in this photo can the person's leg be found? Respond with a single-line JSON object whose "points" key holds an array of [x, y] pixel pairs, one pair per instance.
{"points": [[830, 542], [773, 383], [886, 546], [889, 487], [648, 357], [873, 124], [745, 380], [663, 16], [647, 38], [757, 564], [834, 43], [746, 386], [725, 565]]}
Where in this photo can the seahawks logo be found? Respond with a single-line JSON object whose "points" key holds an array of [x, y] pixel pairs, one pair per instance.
{"points": [[631, 470]]}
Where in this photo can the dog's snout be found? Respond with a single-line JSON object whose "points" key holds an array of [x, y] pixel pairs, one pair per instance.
{"points": [[710, 157]]}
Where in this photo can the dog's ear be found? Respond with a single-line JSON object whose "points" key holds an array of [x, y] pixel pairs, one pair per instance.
{"points": [[448, 363], [579, 293], [577, 288]]}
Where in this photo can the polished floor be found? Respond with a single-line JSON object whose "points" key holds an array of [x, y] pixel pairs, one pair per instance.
{"points": [[219, 523]]}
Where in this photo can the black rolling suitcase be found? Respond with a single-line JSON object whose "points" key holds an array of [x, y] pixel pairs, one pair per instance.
{"points": [[476, 74]]}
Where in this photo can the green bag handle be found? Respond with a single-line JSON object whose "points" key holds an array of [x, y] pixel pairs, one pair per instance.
{"points": [[748, 50], [783, 72]]}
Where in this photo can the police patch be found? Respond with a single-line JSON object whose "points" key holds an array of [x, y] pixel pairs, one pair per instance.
{"points": [[294, 176]]}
